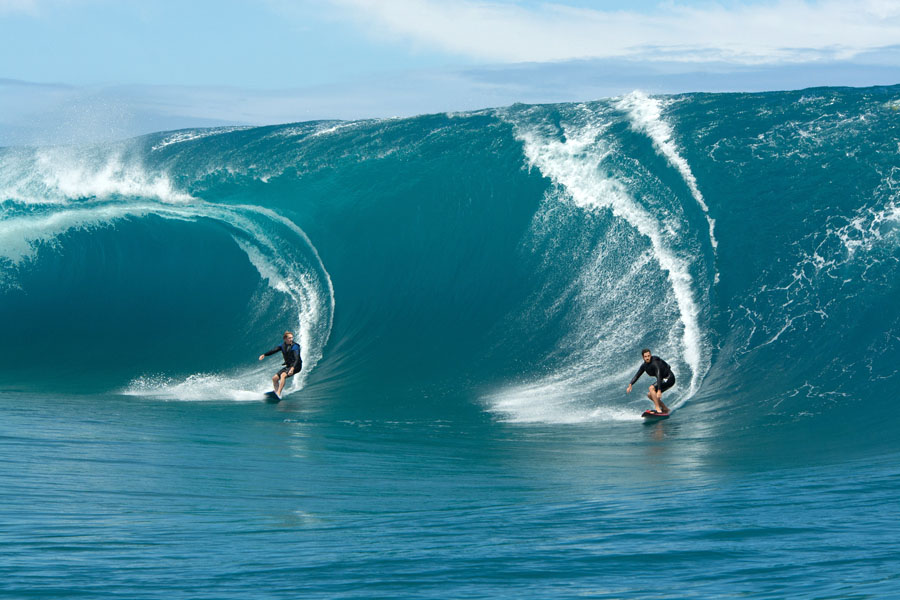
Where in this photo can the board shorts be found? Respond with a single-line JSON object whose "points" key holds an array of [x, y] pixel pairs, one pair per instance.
{"points": [[666, 383], [285, 371]]}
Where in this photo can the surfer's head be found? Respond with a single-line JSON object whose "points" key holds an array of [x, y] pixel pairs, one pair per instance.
{"points": [[288, 337], [645, 353]]}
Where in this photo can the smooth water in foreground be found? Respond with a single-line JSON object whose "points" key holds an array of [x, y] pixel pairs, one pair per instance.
{"points": [[127, 497]]}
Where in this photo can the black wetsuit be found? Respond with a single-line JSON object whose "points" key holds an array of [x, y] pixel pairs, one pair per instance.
{"points": [[291, 356], [660, 369]]}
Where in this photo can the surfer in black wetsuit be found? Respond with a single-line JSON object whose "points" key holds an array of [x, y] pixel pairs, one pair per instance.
{"points": [[292, 361], [654, 366]]}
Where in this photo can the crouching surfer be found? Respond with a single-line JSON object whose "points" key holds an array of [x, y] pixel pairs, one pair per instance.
{"points": [[654, 366], [292, 361]]}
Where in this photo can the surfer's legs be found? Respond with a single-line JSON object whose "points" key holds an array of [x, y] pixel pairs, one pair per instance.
{"points": [[655, 394], [662, 405], [279, 379], [655, 397], [279, 382]]}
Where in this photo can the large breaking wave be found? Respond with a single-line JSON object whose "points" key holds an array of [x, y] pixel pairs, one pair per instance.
{"points": [[519, 258]]}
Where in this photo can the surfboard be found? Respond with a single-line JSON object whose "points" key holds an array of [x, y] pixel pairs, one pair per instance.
{"points": [[652, 415], [272, 397]]}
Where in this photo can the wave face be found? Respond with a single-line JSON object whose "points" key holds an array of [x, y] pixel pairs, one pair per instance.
{"points": [[518, 257]]}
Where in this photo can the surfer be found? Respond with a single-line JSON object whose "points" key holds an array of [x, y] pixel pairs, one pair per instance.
{"points": [[292, 361], [654, 366]]}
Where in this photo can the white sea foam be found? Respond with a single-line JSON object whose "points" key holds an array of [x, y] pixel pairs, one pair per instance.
{"points": [[548, 403], [570, 164], [863, 237], [58, 175], [871, 227], [560, 398], [574, 162], [202, 387], [194, 134], [645, 116], [334, 128]]}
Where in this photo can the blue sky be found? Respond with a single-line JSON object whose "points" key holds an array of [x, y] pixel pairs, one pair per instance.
{"points": [[162, 42], [108, 68]]}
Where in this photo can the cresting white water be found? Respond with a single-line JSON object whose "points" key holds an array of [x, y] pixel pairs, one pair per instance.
{"points": [[645, 114], [59, 175], [575, 163], [193, 134]]}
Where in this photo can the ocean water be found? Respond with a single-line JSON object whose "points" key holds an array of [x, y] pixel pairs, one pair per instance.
{"points": [[471, 292]]}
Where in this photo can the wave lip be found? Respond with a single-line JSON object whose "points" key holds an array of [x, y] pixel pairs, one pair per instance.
{"points": [[61, 175], [191, 135]]}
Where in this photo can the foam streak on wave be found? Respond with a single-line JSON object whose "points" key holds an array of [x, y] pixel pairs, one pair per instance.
{"points": [[645, 115], [190, 135], [574, 164]]}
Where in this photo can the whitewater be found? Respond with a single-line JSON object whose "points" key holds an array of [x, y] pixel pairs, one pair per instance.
{"points": [[471, 292]]}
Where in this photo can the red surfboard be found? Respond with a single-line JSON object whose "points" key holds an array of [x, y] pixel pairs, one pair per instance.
{"points": [[652, 415]]}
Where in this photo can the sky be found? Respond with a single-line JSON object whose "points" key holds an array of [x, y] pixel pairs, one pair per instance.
{"points": [[100, 69]]}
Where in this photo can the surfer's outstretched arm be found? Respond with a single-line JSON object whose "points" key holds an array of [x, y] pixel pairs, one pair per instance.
{"points": [[637, 375], [270, 352]]}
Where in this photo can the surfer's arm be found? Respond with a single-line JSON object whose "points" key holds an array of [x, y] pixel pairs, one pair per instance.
{"points": [[270, 352], [638, 374]]}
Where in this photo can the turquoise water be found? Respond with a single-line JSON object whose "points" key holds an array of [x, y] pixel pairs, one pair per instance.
{"points": [[471, 292], [220, 500]]}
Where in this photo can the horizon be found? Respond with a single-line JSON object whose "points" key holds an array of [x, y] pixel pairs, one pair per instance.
{"points": [[97, 70]]}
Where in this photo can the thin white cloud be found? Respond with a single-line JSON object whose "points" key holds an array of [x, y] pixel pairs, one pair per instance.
{"points": [[778, 31], [18, 6], [41, 8]]}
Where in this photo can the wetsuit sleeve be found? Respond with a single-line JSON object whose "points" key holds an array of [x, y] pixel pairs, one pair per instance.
{"points": [[298, 361], [272, 351], [639, 373]]}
